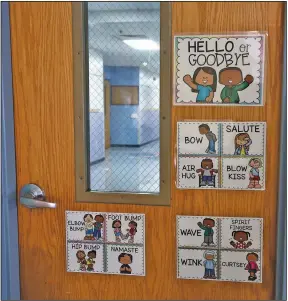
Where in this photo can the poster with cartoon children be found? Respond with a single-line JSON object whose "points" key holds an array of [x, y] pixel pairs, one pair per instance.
{"points": [[241, 266], [85, 257], [243, 173], [219, 69], [125, 229], [198, 172], [241, 233], [219, 248], [197, 264], [88, 226], [126, 259], [231, 157], [198, 232], [105, 242]]}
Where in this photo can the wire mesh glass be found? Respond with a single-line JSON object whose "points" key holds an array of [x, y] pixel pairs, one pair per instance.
{"points": [[124, 96]]}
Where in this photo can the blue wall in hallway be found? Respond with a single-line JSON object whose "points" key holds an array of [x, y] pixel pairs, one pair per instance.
{"points": [[123, 128], [97, 139], [122, 76], [149, 128]]}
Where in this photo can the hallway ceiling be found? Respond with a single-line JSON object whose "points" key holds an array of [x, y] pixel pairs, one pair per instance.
{"points": [[109, 21]]}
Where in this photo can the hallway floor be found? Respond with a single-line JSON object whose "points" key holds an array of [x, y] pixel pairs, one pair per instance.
{"points": [[128, 169]]}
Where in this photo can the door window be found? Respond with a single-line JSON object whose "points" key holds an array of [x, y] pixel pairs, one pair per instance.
{"points": [[122, 125]]}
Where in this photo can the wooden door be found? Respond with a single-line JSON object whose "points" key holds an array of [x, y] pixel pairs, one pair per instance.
{"points": [[107, 100], [43, 96]]}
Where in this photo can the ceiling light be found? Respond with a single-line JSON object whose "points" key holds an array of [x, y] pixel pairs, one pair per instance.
{"points": [[142, 44], [145, 64]]}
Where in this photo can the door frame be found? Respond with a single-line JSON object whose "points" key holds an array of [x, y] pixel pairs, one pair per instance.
{"points": [[10, 280], [10, 285], [281, 251]]}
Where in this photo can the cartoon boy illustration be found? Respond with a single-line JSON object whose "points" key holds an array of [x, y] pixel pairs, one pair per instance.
{"points": [[242, 143], [81, 259], [89, 226], [252, 266], [90, 261], [209, 264], [117, 230], [208, 224], [254, 174], [98, 225], [204, 129], [132, 231], [204, 82], [207, 172], [241, 238], [125, 259], [232, 78]]}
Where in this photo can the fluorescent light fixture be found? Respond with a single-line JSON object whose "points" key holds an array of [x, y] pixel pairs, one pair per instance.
{"points": [[142, 44], [145, 64]]}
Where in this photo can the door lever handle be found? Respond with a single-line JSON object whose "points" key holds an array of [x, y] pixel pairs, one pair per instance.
{"points": [[32, 196]]}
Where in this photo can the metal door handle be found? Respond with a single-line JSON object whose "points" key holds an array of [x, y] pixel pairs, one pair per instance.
{"points": [[32, 196]]}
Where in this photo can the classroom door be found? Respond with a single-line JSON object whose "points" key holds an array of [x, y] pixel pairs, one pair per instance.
{"points": [[44, 126]]}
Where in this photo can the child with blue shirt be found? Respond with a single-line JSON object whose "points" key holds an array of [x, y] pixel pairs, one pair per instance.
{"points": [[204, 82], [209, 264]]}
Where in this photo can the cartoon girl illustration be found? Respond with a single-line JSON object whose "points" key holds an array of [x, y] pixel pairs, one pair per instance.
{"points": [[252, 266], [117, 230], [204, 82], [241, 238], [81, 259], [89, 226], [132, 231], [242, 144], [254, 174]]}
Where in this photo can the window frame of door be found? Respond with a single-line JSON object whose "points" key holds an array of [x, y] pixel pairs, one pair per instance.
{"points": [[81, 112]]}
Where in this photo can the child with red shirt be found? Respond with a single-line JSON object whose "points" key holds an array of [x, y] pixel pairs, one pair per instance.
{"points": [[252, 266], [132, 231]]}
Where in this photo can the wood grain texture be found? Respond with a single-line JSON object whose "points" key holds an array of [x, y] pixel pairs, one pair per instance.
{"points": [[43, 97]]}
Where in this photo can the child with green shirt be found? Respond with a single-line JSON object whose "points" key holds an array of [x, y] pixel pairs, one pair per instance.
{"points": [[208, 224], [232, 78]]}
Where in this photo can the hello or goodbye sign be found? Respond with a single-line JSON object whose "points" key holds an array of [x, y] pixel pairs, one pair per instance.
{"points": [[225, 70]]}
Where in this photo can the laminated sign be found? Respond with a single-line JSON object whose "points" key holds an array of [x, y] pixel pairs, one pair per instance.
{"points": [[104, 242], [221, 155], [220, 248], [219, 69]]}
